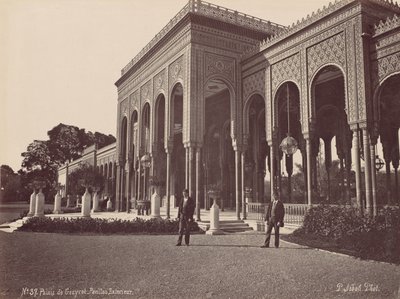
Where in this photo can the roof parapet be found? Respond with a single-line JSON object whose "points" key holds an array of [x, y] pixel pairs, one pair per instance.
{"points": [[386, 25], [203, 8]]}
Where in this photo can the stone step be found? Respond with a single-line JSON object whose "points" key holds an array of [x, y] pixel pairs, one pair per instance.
{"points": [[230, 226]]}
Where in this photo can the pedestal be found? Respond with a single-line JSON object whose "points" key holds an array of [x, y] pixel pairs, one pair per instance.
{"points": [[95, 203], [109, 204], [57, 204], [68, 201], [214, 221], [32, 204], [155, 205], [39, 210], [86, 199]]}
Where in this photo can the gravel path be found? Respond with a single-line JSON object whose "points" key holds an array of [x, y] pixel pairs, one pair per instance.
{"points": [[230, 266]]}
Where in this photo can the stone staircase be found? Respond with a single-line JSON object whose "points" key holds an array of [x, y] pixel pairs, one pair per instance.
{"points": [[227, 226], [13, 226]]}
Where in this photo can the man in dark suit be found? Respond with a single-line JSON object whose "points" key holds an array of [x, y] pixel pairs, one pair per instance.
{"points": [[185, 216], [274, 219]]}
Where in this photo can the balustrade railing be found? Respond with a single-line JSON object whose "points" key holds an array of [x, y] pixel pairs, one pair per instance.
{"points": [[294, 213]]}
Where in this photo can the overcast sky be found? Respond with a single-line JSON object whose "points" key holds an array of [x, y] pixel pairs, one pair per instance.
{"points": [[59, 59]]}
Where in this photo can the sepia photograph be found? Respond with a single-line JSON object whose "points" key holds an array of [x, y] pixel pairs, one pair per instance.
{"points": [[199, 149]]}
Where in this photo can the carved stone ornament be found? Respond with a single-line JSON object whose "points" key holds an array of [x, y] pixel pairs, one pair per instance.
{"points": [[388, 65], [331, 50], [134, 100], [159, 81], [124, 107], [145, 91], [288, 69], [254, 83], [216, 64], [176, 70]]}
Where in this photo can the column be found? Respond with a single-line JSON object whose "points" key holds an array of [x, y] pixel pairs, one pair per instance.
{"points": [[357, 168], [139, 183], [272, 159], [167, 181], [118, 189], [121, 191], [373, 178], [198, 184], [237, 183], [190, 172], [367, 171], [186, 169], [309, 170], [127, 184], [243, 186]]}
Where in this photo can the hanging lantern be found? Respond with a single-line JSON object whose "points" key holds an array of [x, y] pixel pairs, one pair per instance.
{"points": [[378, 163], [289, 145], [145, 161]]}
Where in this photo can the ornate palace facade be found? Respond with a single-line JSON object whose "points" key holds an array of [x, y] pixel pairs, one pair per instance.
{"points": [[206, 104]]}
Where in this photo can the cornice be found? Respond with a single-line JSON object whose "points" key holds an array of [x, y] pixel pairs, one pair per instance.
{"points": [[205, 9]]}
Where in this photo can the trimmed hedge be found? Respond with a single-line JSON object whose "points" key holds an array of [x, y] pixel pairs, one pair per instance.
{"points": [[103, 226], [372, 238]]}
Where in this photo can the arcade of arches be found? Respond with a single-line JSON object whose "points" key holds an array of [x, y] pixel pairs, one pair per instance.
{"points": [[207, 103]]}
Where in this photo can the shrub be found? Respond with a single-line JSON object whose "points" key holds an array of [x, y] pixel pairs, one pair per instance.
{"points": [[377, 237], [103, 226]]}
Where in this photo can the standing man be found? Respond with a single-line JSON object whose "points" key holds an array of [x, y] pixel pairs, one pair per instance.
{"points": [[274, 219], [185, 216]]}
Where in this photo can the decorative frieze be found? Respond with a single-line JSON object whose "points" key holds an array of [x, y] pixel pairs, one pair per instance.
{"points": [[388, 65], [221, 65], [254, 83]]}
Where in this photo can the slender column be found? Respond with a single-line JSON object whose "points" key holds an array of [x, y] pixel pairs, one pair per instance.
{"points": [[190, 172], [113, 183], [139, 183], [198, 184], [388, 182], [272, 158], [127, 185], [243, 186], [309, 176], [167, 181], [373, 179], [356, 160], [237, 183], [118, 189], [367, 171], [122, 191], [186, 169]]}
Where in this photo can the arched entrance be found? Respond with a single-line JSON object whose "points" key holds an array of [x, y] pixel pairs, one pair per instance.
{"points": [[389, 124], [121, 201], [332, 179], [177, 178], [256, 150], [159, 155], [287, 105], [219, 157]]}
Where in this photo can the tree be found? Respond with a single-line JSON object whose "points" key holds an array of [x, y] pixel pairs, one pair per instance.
{"points": [[85, 177], [66, 143], [9, 184]]}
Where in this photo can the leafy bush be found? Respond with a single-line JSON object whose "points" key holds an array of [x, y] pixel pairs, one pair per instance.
{"points": [[103, 226], [377, 237]]}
